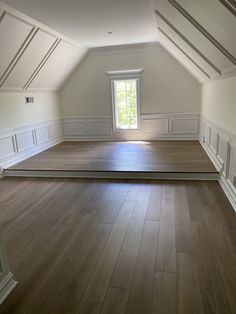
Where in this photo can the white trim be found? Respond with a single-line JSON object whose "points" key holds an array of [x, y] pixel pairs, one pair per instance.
{"points": [[17, 14], [222, 155], [132, 74], [2, 174], [113, 174], [6, 286], [152, 127], [31, 141], [125, 74], [124, 49]]}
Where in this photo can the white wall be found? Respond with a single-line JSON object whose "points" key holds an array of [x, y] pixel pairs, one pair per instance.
{"points": [[166, 87], [27, 129], [219, 103], [15, 113]]}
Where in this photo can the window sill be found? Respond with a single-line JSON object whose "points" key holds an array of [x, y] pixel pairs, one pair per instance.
{"points": [[126, 130]]}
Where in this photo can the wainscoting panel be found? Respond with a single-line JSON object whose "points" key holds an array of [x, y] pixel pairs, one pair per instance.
{"points": [[42, 134], [184, 126], [99, 127], [56, 130], [26, 141], [152, 126], [220, 146], [155, 126], [7, 147]]}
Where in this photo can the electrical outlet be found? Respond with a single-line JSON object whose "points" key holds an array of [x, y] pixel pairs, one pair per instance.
{"points": [[29, 100]]}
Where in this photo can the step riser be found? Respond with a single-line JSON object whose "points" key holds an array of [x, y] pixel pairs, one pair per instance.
{"points": [[114, 175]]}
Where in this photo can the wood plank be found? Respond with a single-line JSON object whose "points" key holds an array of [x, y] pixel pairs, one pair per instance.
{"points": [[183, 232], [97, 287], [125, 266], [115, 301], [166, 252], [141, 292], [164, 296], [63, 290], [213, 293], [189, 297], [154, 206]]}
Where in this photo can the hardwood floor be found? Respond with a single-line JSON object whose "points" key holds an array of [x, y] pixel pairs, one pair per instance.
{"points": [[153, 156], [114, 247]]}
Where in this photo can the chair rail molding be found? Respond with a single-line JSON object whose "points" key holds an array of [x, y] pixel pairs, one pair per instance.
{"points": [[220, 146]]}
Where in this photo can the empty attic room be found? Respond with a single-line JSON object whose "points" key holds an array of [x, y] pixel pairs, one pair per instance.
{"points": [[117, 157]]}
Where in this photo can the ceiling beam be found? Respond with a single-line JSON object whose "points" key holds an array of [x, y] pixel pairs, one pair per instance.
{"points": [[230, 5], [163, 18], [204, 32], [179, 48]]}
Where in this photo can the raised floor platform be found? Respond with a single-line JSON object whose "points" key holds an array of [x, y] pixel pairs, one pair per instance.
{"points": [[138, 159]]}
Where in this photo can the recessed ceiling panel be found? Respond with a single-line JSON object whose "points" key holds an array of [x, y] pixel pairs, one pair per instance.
{"points": [[58, 66], [187, 49], [30, 60], [216, 19], [181, 57], [13, 32], [198, 40]]}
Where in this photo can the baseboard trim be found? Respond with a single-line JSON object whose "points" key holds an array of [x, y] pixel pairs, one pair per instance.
{"points": [[6, 287], [114, 174], [228, 191], [106, 139], [211, 156]]}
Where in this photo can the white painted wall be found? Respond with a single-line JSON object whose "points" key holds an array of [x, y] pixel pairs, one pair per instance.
{"points": [[219, 103], [15, 113], [166, 87]]}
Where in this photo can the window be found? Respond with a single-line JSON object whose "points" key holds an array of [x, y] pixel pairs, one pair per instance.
{"points": [[125, 99]]}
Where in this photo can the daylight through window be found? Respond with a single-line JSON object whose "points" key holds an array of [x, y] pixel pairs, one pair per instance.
{"points": [[126, 101]]}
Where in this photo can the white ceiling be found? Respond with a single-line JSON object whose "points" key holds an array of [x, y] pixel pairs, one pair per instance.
{"points": [[89, 21]]}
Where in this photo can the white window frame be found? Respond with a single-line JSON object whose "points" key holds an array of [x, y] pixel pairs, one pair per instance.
{"points": [[125, 75]]}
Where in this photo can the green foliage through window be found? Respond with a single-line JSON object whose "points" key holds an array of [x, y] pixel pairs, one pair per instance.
{"points": [[126, 104]]}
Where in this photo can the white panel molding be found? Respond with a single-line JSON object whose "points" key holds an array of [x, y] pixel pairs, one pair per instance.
{"points": [[11, 79], [32, 21], [21, 143], [123, 49], [42, 63], [200, 53], [186, 125], [201, 29], [187, 55], [33, 31], [153, 126], [220, 146], [7, 282]]}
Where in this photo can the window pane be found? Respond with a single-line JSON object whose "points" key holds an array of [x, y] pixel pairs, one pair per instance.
{"points": [[126, 104]]}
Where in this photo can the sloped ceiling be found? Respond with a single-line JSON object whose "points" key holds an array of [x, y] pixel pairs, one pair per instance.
{"points": [[33, 57], [200, 34]]}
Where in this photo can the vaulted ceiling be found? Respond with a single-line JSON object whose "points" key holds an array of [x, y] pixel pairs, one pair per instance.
{"points": [[33, 56], [199, 34]]}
